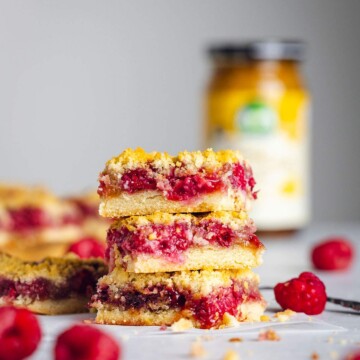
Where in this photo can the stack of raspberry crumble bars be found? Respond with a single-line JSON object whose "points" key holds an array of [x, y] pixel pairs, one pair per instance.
{"points": [[181, 244]]}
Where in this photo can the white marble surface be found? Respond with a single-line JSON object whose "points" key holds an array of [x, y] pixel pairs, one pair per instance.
{"points": [[331, 335]]}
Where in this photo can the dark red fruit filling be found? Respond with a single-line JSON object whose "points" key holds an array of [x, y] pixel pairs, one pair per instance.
{"points": [[187, 187], [83, 342], [83, 283], [20, 333], [27, 218], [178, 188], [208, 310], [87, 248], [135, 180], [171, 241]]}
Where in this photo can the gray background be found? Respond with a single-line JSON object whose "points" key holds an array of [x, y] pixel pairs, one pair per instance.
{"points": [[82, 80]]}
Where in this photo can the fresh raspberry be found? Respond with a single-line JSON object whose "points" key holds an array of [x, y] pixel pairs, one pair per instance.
{"points": [[332, 254], [82, 342], [353, 356], [303, 294], [87, 248], [20, 333]]}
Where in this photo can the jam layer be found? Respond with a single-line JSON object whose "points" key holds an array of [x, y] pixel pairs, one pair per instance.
{"points": [[207, 310], [176, 186], [83, 283], [171, 241]]}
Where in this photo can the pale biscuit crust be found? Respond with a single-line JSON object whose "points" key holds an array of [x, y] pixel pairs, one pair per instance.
{"points": [[149, 202], [51, 307], [248, 311], [209, 257]]}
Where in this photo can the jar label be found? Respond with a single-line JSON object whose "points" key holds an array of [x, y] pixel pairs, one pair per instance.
{"points": [[272, 136]]}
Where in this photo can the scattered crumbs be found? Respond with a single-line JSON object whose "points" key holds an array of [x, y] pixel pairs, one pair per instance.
{"points": [[268, 335], [315, 356], [231, 355], [182, 325], [264, 318], [334, 355], [206, 337], [88, 321], [235, 339], [283, 316], [125, 337], [343, 342], [163, 328], [197, 350], [229, 320], [330, 340], [310, 318]]}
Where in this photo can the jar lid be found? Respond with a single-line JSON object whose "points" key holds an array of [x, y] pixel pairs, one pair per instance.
{"points": [[292, 50]]}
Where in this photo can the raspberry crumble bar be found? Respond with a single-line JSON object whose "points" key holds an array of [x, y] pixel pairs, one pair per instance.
{"points": [[34, 215], [204, 297], [140, 183], [51, 286], [175, 242]]}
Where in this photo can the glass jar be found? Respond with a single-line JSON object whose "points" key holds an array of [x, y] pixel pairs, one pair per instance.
{"points": [[257, 102]]}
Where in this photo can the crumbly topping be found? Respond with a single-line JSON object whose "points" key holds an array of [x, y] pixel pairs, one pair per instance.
{"points": [[201, 282], [230, 320], [182, 325], [50, 268], [283, 316], [236, 220], [197, 349], [191, 161], [268, 335], [231, 355]]}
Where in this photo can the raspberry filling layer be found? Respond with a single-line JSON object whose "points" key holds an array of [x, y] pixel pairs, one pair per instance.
{"points": [[171, 241], [27, 219], [179, 187], [82, 283], [207, 310]]}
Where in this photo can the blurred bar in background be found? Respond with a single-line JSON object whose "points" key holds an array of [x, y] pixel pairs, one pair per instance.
{"points": [[257, 102]]}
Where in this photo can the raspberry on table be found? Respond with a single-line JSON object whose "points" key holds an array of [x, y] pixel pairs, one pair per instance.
{"points": [[305, 294], [332, 254], [83, 342], [88, 248], [20, 333]]}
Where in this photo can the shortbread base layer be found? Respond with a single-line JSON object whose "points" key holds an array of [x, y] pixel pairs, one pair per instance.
{"points": [[51, 307], [149, 202], [210, 257], [248, 312]]}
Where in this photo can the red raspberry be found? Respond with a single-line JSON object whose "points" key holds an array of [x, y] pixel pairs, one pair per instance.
{"points": [[353, 356], [332, 254], [82, 342], [303, 294], [20, 333], [87, 248]]}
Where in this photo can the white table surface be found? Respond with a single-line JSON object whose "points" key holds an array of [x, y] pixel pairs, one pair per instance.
{"points": [[332, 335]]}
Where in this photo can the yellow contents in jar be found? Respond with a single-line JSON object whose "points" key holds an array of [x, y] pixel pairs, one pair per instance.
{"points": [[256, 102]]}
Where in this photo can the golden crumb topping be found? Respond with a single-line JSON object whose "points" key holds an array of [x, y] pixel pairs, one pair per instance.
{"points": [[192, 161], [50, 268], [236, 220], [201, 282]]}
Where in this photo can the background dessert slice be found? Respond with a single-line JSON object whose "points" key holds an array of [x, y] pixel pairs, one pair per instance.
{"points": [[174, 242], [34, 215], [203, 297], [140, 183], [51, 286]]}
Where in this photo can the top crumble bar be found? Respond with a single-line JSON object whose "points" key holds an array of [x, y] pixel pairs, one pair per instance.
{"points": [[140, 183]]}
